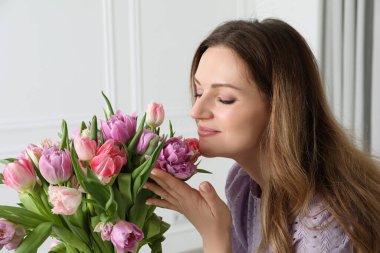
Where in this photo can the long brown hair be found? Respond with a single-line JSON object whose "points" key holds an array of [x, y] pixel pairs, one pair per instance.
{"points": [[309, 152]]}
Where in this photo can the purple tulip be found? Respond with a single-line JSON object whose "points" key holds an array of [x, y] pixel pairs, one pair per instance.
{"points": [[144, 141], [7, 231], [119, 127], [10, 235], [175, 158], [125, 236], [55, 165]]}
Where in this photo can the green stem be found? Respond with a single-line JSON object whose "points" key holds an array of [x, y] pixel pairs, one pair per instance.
{"points": [[43, 209], [90, 206]]}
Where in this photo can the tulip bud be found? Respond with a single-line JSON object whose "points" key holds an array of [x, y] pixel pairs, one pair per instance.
{"points": [[155, 114], [193, 144], [20, 175], [145, 138], [55, 165], [85, 147], [34, 153], [105, 229]]}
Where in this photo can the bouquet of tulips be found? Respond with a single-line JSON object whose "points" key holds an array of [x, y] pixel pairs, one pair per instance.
{"points": [[87, 191]]}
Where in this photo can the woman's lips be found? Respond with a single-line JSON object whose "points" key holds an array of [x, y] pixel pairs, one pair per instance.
{"points": [[206, 132]]}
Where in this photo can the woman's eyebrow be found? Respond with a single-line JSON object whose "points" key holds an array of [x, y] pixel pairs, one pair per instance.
{"points": [[217, 85]]}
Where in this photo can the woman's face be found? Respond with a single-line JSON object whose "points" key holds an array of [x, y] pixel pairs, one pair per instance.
{"points": [[230, 111]]}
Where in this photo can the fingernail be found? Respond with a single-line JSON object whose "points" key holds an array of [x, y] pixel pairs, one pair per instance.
{"points": [[205, 187], [145, 187], [148, 203], [154, 172]]}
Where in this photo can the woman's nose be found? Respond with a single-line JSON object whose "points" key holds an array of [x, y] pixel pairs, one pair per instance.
{"points": [[201, 109]]}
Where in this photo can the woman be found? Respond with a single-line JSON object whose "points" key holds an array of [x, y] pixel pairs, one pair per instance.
{"points": [[300, 184]]}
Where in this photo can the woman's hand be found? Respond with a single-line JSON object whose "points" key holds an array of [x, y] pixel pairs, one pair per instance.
{"points": [[203, 208]]}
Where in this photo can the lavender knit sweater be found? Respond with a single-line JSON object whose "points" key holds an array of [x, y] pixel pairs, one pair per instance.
{"points": [[316, 232]]}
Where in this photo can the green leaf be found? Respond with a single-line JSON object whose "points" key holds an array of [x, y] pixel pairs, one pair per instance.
{"points": [[82, 127], [66, 236], [21, 216], [34, 240], [139, 210], [28, 203], [105, 114], [7, 160], [60, 248], [136, 137], [89, 183], [156, 247], [171, 129], [37, 170], [1, 178], [152, 227], [99, 245], [125, 187], [64, 139], [77, 231], [108, 104], [203, 171], [121, 207], [141, 174], [94, 129], [152, 145], [111, 205]]}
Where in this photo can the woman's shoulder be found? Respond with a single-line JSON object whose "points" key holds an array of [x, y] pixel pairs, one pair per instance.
{"points": [[317, 230], [239, 182]]}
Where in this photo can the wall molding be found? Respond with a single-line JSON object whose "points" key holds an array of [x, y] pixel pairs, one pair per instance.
{"points": [[42, 122], [134, 12], [246, 9], [109, 51]]}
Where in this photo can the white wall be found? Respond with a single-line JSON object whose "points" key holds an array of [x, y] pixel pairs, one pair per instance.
{"points": [[57, 56], [375, 123]]}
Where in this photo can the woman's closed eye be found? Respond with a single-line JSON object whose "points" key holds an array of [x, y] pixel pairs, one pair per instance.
{"points": [[226, 101], [198, 95]]}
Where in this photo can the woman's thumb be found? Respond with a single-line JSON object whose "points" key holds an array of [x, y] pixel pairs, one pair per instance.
{"points": [[209, 194]]}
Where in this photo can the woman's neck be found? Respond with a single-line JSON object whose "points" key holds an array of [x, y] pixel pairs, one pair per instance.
{"points": [[251, 163]]}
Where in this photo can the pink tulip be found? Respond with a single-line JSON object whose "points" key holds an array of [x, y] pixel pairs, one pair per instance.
{"points": [[65, 200], [32, 153], [85, 147], [20, 175], [55, 165], [7, 231], [155, 114], [105, 229], [17, 238], [108, 161], [125, 236], [54, 243], [10, 235]]}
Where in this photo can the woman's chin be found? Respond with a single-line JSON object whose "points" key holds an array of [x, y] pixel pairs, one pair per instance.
{"points": [[208, 152]]}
